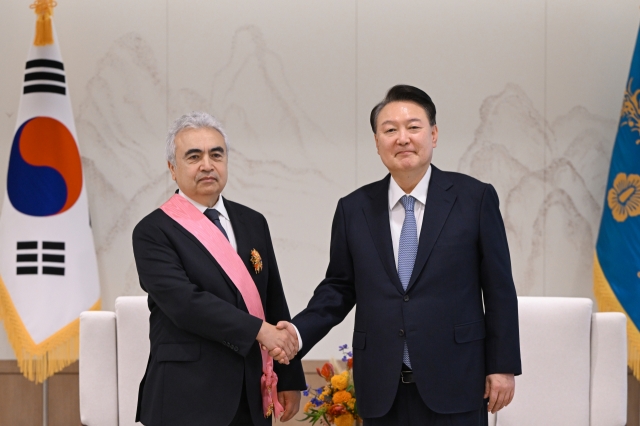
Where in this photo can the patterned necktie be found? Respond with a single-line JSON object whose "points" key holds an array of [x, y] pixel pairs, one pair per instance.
{"points": [[407, 250], [214, 216]]}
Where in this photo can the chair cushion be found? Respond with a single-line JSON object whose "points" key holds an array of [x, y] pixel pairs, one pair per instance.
{"points": [[555, 347]]}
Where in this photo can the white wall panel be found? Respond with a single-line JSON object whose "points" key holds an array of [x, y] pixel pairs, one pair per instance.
{"points": [[281, 77], [528, 95]]}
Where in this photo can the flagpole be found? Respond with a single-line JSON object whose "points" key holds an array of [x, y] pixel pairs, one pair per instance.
{"points": [[45, 405]]}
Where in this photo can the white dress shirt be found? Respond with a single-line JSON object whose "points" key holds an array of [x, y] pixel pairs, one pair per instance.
{"points": [[396, 209], [226, 224], [224, 217]]}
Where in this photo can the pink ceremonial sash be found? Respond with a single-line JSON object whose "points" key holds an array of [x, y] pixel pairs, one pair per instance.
{"points": [[193, 220]]}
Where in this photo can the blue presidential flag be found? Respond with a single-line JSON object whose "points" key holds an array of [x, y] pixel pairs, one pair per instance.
{"points": [[617, 254]]}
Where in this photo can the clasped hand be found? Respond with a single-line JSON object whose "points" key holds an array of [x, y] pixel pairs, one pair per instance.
{"points": [[281, 341]]}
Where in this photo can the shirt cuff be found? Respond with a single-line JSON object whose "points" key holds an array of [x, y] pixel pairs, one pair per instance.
{"points": [[299, 338]]}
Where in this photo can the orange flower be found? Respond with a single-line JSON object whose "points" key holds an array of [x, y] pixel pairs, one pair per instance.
{"points": [[340, 381], [351, 404], [307, 406], [341, 397], [350, 363], [344, 420], [326, 372], [326, 394], [337, 410]]}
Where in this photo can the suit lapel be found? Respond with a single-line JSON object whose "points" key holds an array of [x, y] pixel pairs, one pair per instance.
{"points": [[241, 233], [436, 211], [377, 216], [243, 242], [204, 249], [240, 230]]}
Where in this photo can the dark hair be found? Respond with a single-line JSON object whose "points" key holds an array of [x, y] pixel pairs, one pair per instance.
{"points": [[403, 92]]}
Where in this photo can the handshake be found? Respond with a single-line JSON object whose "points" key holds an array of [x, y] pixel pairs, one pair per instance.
{"points": [[281, 341]]}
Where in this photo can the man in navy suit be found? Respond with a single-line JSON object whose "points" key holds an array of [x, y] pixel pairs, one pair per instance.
{"points": [[418, 253]]}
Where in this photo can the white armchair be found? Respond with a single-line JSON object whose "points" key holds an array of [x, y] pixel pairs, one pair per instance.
{"points": [[573, 361], [574, 366], [114, 348]]}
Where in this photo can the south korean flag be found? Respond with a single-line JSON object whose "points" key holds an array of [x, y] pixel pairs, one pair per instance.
{"points": [[48, 268]]}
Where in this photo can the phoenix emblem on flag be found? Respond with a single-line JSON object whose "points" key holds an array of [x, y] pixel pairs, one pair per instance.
{"points": [[631, 110], [256, 260]]}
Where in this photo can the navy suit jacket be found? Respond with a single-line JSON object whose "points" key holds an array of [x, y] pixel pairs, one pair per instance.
{"points": [[202, 337], [453, 342]]}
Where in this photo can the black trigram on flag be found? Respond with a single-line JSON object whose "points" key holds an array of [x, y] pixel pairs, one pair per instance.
{"points": [[44, 75], [49, 260]]}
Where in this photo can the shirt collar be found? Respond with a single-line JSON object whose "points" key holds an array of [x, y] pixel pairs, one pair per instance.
{"points": [[419, 192], [218, 206]]}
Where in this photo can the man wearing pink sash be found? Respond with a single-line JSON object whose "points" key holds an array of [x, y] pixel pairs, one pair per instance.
{"points": [[214, 292]]}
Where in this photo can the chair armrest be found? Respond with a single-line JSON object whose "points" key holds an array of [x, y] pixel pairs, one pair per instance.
{"points": [[132, 314], [98, 369], [608, 369]]}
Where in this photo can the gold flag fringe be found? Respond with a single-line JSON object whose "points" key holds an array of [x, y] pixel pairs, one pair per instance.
{"points": [[608, 302], [44, 28], [37, 362]]}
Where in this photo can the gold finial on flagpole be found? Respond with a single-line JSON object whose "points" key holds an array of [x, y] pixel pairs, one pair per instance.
{"points": [[44, 30]]}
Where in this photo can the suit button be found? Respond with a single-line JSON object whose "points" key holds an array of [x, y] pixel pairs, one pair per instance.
{"points": [[401, 334], [406, 298], [235, 348]]}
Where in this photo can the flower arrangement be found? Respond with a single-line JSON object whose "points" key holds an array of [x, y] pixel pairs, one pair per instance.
{"points": [[334, 403]]}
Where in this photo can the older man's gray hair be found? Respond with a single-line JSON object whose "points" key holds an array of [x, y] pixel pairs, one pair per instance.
{"points": [[193, 120]]}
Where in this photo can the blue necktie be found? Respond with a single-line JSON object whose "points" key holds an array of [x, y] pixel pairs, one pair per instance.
{"points": [[407, 250], [214, 216]]}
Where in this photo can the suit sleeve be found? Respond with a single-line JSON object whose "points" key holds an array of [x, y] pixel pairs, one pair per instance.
{"points": [[290, 377], [190, 308], [499, 293], [335, 296]]}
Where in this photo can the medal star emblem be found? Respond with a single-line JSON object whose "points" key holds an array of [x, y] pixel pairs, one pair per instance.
{"points": [[256, 260]]}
